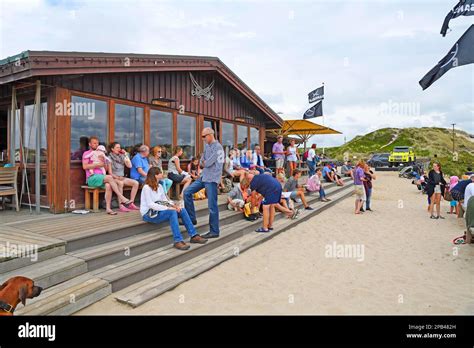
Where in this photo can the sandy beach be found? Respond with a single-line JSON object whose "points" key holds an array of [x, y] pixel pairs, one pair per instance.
{"points": [[404, 263]]}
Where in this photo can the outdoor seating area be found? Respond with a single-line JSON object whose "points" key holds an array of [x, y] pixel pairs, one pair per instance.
{"points": [[8, 186]]}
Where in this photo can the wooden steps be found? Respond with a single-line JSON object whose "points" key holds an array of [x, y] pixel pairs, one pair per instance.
{"points": [[154, 286], [50, 272], [36, 248], [111, 259], [68, 297], [125, 248]]}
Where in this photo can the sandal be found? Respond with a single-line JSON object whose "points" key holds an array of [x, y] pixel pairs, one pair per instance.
{"points": [[433, 217], [112, 212], [261, 229], [441, 217]]}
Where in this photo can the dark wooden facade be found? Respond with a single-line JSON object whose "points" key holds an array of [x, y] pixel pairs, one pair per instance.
{"points": [[233, 102]]}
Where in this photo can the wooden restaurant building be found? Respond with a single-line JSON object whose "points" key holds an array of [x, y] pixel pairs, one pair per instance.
{"points": [[51, 102]]}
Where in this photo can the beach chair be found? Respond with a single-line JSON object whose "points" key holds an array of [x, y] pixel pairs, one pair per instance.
{"points": [[8, 185]]}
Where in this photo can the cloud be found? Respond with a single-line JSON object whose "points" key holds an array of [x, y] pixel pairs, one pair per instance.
{"points": [[367, 52]]}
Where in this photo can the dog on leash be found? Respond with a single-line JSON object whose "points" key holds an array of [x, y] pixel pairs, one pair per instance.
{"points": [[14, 291]]}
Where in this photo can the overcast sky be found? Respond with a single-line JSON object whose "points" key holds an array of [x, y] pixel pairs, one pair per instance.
{"points": [[369, 54]]}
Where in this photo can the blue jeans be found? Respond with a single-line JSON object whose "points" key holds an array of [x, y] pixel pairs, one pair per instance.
{"points": [[166, 183], [322, 194], [172, 217], [211, 192], [311, 168], [367, 201]]}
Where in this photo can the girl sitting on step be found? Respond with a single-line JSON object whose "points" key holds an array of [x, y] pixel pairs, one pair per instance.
{"points": [[156, 207]]}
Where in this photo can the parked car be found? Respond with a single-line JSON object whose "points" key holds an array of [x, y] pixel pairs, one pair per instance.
{"points": [[379, 160]]}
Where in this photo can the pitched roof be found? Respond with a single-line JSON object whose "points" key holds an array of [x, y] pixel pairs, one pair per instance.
{"points": [[43, 63]]}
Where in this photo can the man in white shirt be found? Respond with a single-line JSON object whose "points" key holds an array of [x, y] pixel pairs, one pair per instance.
{"points": [[310, 160], [257, 160]]}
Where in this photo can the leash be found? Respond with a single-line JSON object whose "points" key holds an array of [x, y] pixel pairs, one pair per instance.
{"points": [[6, 307], [459, 240]]}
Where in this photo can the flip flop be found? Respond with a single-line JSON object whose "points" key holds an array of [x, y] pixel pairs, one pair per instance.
{"points": [[112, 212], [261, 229]]}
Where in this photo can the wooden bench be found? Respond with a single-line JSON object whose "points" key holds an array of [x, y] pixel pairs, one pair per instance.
{"points": [[8, 185], [95, 191]]}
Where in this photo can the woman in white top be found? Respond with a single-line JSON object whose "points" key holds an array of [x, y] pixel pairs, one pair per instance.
{"points": [[293, 156], [155, 207], [176, 174]]}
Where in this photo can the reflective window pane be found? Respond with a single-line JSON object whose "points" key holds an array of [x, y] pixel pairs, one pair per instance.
{"points": [[29, 132], [128, 126], [242, 137], [88, 118], [214, 125], [227, 140], [254, 137], [161, 131], [187, 136]]}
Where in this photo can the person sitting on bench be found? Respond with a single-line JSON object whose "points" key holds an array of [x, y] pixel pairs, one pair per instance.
{"points": [[140, 164], [296, 191], [330, 176], [116, 168], [155, 160], [176, 174], [347, 168], [155, 207], [99, 180], [246, 160], [257, 160], [238, 196]]}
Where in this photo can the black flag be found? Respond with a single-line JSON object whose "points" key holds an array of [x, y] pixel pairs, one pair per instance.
{"points": [[317, 94], [314, 111], [462, 53], [463, 8]]}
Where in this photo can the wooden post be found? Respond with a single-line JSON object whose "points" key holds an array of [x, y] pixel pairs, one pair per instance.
{"points": [[13, 127], [38, 146]]}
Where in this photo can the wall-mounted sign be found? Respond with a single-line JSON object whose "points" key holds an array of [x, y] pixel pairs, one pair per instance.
{"points": [[198, 91]]}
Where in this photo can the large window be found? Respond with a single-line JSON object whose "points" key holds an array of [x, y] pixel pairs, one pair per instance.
{"points": [[227, 136], [88, 117], [254, 137], [29, 132], [214, 125], [242, 137], [128, 126], [187, 135], [161, 131]]}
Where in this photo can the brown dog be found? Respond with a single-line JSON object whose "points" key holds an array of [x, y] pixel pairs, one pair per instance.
{"points": [[14, 291]]}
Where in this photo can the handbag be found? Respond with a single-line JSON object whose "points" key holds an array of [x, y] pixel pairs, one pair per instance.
{"points": [[448, 196], [201, 194], [250, 213]]}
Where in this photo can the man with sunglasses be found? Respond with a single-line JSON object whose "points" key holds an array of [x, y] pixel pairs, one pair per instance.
{"points": [[211, 162]]}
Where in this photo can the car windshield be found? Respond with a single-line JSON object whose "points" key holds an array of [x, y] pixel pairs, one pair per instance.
{"points": [[400, 149]]}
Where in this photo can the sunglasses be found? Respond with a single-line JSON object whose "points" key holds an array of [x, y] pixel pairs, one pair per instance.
{"points": [[205, 135]]}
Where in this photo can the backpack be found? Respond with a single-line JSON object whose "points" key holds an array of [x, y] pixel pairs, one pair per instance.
{"points": [[227, 185], [305, 155], [250, 214], [201, 194], [312, 185]]}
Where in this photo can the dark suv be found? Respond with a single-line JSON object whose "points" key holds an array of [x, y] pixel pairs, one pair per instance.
{"points": [[379, 160]]}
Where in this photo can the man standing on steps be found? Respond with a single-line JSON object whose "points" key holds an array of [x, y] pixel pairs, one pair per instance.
{"points": [[211, 162]]}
